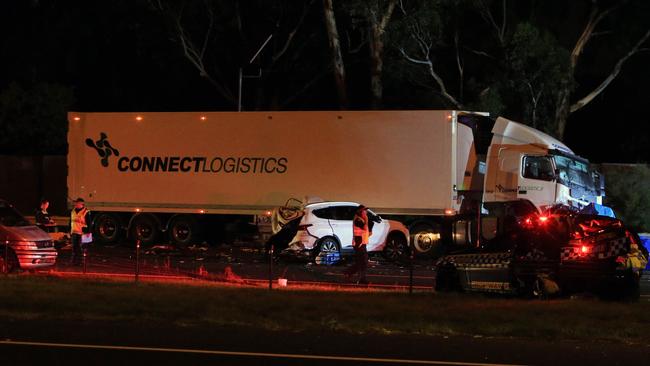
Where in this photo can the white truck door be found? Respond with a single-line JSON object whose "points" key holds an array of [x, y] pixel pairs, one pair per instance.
{"points": [[537, 180]]}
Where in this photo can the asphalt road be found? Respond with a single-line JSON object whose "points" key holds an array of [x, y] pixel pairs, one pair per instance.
{"points": [[31, 343]]}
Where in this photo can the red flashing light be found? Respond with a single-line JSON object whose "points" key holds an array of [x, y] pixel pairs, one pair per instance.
{"points": [[449, 211], [137, 210], [585, 249], [543, 219], [202, 211], [138, 118], [268, 213], [77, 118], [203, 118]]}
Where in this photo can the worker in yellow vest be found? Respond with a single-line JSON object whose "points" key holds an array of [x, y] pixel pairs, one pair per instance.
{"points": [[79, 229], [360, 237]]}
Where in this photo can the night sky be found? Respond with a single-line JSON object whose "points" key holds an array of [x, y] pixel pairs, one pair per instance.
{"points": [[120, 56]]}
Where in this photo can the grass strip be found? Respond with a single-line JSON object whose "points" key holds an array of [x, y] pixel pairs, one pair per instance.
{"points": [[43, 298]]}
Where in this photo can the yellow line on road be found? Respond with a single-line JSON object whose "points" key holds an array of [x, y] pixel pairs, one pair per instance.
{"points": [[246, 354]]}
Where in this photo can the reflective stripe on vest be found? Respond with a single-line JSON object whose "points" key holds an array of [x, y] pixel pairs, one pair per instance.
{"points": [[78, 221]]}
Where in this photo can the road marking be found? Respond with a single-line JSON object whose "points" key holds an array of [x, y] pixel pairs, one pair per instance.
{"points": [[248, 354]]}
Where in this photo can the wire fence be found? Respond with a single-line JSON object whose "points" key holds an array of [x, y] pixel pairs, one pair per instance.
{"points": [[238, 263]]}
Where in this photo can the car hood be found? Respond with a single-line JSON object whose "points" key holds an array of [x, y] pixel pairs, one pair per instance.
{"points": [[22, 233]]}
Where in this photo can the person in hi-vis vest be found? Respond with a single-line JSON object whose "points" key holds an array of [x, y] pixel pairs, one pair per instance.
{"points": [[360, 236], [79, 227]]}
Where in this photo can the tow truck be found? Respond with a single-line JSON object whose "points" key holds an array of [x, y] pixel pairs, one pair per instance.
{"points": [[540, 254]]}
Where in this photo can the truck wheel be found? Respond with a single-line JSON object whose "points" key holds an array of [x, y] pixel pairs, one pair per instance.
{"points": [[327, 247], [396, 247], [145, 228], [425, 238], [183, 231], [107, 228], [8, 265]]}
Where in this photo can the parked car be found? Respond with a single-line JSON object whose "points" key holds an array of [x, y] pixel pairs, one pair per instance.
{"points": [[325, 232], [22, 244]]}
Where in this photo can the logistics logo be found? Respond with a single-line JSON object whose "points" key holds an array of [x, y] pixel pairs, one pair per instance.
{"points": [[103, 148]]}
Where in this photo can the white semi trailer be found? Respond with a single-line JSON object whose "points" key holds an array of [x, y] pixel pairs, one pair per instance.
{"points": [[189, 175]]}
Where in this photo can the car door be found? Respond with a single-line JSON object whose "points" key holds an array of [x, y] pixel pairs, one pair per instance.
{"points": [[489, 269], [341, 223], [379, 232]]}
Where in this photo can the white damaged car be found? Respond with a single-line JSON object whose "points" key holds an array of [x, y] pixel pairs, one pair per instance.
{"points": [[325, 231]]}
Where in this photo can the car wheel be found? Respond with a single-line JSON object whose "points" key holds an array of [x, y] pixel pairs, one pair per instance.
{"points": [[543, 287], [627, 289], [328, 252], [425, 238], [447, 278], [8, 265], [107, 228], [183, 231], [396, 247], [145, 229]]}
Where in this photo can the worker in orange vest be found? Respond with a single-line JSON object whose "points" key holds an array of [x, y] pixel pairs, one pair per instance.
{"points": [[360, 236], [79, 229]]}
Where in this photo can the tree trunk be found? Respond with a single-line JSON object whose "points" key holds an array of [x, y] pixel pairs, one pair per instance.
{"points": [[562, 112], [376, 47], [376, 66], [335, 48]]}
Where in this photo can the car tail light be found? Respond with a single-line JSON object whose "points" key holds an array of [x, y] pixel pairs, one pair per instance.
{"points": [[543, 219], [304, 227]]}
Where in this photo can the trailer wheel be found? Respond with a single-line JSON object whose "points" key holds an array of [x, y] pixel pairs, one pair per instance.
{"points": [[396, 247], [8, 265], [425, 238], [183, 231], [145, 228], [107, 228]]}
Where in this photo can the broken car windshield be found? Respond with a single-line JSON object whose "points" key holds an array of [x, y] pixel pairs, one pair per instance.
{"points": [[573, 172]]}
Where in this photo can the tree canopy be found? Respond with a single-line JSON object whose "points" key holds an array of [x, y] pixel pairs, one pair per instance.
{"points": [[568, 68]]}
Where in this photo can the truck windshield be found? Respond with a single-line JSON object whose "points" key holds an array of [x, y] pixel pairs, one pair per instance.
{"points": [[10, 217], [573, 173]]}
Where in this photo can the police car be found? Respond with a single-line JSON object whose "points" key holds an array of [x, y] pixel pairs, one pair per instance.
{"points": [[546, 254]]}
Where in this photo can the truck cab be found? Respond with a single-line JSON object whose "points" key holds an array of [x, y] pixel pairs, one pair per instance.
{"points": [[524, 163]]}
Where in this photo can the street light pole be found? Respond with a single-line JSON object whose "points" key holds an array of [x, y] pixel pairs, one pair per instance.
{"points": [[241, 71]]}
